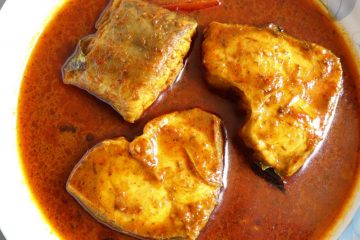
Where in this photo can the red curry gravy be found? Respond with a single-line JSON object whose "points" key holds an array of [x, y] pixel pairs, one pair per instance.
{"points": [[58, 123]]}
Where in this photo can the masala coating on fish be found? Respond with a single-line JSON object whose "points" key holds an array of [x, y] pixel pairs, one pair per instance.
{"points": [[164, 184], [136, 53], [289, 87]]}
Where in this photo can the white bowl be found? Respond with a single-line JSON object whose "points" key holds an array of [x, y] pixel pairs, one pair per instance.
{"points": [[21, 22]]}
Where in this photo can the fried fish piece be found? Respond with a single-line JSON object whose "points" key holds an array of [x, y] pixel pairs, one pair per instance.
{"points": [[164, 184], [136, 53], [289, 87]]}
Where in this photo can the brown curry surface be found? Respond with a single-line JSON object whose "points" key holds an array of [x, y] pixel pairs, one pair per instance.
{"points": [[57, 124]]}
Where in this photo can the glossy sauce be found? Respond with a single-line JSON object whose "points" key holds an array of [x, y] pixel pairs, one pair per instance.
{"points": [[58, 123]]}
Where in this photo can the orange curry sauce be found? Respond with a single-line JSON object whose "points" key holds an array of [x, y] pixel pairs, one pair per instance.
{"points": [[57, 124]]}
